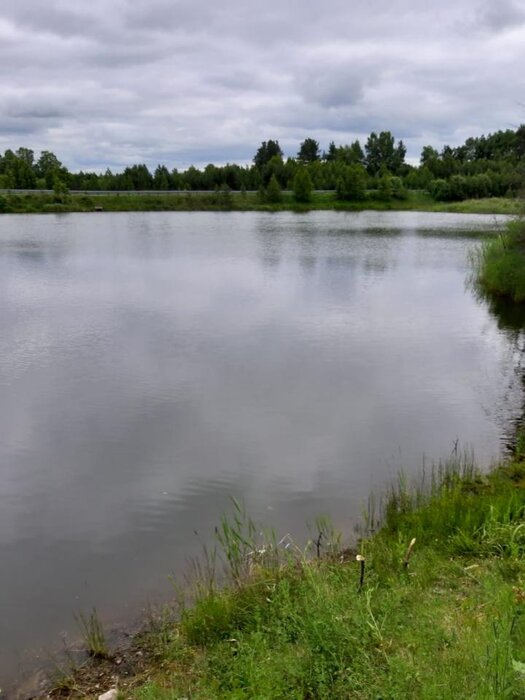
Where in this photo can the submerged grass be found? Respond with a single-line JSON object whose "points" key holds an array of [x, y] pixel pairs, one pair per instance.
{"points": [[428, 606]]}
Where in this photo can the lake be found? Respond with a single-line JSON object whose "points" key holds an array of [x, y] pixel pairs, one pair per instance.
{"points": [[153, 365]]}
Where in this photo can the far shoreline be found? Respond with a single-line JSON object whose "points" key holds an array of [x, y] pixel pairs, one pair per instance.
{"points": [[47, 202]]}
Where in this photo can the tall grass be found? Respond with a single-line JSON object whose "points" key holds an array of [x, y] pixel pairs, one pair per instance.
{"points": [[500, 264], [93, 634], [441, 617]]}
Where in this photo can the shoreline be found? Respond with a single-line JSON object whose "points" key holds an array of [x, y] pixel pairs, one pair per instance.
{"points": [[435, 566], [47, 203]]}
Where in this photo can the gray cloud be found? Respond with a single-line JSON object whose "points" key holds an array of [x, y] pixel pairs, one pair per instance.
{"points": [[332, 85], [112, 82], [503, 15]]}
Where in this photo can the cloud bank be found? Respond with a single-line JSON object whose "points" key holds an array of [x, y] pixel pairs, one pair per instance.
{"points": [[115, 82]]}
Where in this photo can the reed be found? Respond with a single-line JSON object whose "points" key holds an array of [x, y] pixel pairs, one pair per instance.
{"points": [[93, 634]]}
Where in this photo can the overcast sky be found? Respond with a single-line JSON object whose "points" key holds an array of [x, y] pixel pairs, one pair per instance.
{"points": [[114, 82]]}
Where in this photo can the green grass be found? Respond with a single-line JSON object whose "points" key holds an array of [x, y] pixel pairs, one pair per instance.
{"points": [[487, 205], [93, 635], [39, 202], [448, 624], [499, 265]]}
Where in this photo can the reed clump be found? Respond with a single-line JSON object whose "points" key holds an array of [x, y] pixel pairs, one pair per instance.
{"points": [[93, 634], [500, 264]]}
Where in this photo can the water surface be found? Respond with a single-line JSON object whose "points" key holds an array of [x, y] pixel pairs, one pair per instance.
{"points": [[153, 365]]}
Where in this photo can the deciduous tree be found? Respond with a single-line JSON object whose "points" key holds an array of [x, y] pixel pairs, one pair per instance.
{"points": [[351, 185]]}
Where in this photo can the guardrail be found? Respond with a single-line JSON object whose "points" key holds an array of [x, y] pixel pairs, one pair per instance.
{"points": [[103, 193]]}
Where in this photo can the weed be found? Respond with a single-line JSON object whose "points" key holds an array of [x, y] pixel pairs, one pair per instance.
{"points": [[93, 634], [325, 537], [244, 544], [63, 678]]}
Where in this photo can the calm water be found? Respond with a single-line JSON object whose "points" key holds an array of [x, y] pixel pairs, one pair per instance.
{"points": [[153, 365]]}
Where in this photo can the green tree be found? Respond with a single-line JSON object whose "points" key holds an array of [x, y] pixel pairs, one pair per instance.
{"points": [[211, 177], [309, 151], [520, 142], [351, 154], [448, 165], [351, 185], [330, 155], [381, 151], [161, 178], [48, 167], [176, 180], [273, 191], [266, 151], [27, 155], [457, 188], [430, 159], [439, 189], [18, 173], [107, 181], [398, 189], [302, 186], [60, 190], [137, 177], [384, 187], [274, 168]]}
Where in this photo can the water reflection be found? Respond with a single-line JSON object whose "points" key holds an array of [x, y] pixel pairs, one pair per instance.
{"points": [[153, 365], [510, 318]]}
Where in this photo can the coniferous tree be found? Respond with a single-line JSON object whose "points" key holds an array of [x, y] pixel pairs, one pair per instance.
{"points": [[266, 151], [302, 186], [273, 191], [309, 151]]}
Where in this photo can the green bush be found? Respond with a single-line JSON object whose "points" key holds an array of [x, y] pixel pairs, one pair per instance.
{"points": [[302, 186], [351, 186], [500, 264], [273, 191]]}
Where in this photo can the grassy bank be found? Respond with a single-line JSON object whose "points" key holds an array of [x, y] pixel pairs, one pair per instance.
{"points": [[500, 264], [38, 202], [435, 618]]}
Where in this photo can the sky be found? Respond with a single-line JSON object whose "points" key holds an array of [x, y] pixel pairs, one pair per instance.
{"points": [[109, 83]]}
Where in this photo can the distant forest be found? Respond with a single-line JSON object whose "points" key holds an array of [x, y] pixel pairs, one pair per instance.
{"points": [[485, 166]]}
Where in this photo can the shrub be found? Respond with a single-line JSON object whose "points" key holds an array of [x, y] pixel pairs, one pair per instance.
{"points": [[351, 186], [500, 264], [302, 186]]}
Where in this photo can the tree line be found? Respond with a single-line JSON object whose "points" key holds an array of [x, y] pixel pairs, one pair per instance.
{"points": [[484, 166]]}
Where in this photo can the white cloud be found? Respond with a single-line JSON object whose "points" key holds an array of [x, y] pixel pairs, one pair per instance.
{"points": [[120, 81]]}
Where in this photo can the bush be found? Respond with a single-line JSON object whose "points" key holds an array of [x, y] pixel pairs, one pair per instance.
{"points": [[351, 186], [398, 190], [302, 186], [439, 190], [273, 192], [384, 188], [500, 264]]}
